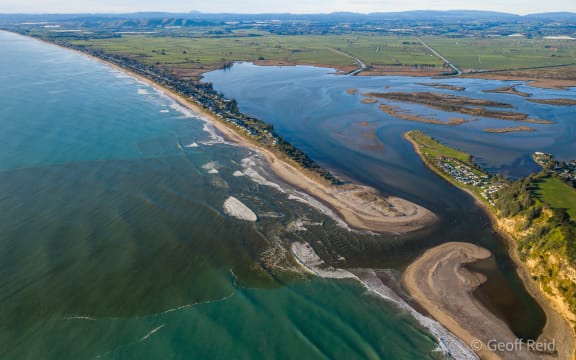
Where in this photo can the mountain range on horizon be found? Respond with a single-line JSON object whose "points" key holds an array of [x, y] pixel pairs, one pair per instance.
{"points": [[401, 15]]}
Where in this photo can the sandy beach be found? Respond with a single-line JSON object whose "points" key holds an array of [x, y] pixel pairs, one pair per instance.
{"points": [[440, 283]]}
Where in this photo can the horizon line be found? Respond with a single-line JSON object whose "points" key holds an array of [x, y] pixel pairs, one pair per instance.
{"points": [[276, 13]]}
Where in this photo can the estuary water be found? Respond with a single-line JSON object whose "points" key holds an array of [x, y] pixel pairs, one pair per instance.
{"points": [[322, 113], [114, 243]]}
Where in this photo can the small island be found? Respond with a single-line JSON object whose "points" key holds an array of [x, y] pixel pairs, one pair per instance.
{"points": [[509, 90], [557, 102], [443, 86], [509, 129], [369, 101], [401, 114], [459, 104]]}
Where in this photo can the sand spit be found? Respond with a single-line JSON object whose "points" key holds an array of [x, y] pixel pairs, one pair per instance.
{"points": [[441, 284], [362, 207], [237, 209], [311, 262], [354, 208]]}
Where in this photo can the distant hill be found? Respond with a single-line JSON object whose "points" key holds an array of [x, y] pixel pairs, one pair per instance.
{"points": [[451, 16], [421, 15]]}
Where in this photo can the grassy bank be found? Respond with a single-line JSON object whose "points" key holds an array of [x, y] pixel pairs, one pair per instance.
{"points": [[455, 166], [210, 49], [552, 191]]}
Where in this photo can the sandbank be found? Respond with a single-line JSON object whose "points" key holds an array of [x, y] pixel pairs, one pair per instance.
{"points": [[440, 283], [509, 129]]}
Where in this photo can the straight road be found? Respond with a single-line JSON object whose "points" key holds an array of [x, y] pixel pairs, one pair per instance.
{"points": [[356, 60], [454, 67]]}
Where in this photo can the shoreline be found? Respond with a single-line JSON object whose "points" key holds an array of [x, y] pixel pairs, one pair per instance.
{"points": [[377, 214], [448, 342], [557, 326], [440, 282]]}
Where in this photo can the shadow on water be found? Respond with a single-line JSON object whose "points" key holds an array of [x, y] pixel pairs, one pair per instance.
{"points": [[501, 300]]}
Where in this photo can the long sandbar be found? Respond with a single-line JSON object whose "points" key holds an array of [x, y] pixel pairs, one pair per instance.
{"points": [[361, 207]]}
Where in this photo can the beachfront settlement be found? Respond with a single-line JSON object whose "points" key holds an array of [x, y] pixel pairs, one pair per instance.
{"points": [[457, 167]]}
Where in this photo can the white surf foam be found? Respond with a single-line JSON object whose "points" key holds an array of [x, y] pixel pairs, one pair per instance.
{"points": [[80, 318], [237, 209], [211, 167], [301, 225], [143, 92], [309, 260], [152, 332], [448, 343], [208, 127], [214, 137], [193, 145], [251, 167], [271, 215]]}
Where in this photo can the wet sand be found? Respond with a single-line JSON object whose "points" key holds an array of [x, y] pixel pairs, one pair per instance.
{"points": [[440, 283]]}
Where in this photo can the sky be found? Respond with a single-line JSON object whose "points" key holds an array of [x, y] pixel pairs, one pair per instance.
{"points": [[274, 6]]}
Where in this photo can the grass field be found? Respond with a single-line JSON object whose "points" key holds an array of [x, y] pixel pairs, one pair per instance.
{"points": [[209, 52], [379, 50], [504, 53], [434, 149], [559, 195]]}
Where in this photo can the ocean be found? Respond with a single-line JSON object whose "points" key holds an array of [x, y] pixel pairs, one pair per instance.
{"points": [[114, 243]]}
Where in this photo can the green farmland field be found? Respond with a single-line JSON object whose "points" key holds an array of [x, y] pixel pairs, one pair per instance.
{"points": [[371, 49], [504, 53], [559, 195], [199, 51]]}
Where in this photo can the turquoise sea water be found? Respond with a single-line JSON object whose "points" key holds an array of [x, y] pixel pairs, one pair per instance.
{"points": [[114, 243]]}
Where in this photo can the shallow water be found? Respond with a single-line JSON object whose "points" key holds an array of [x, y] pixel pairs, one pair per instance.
{"points": [[114, 242]]}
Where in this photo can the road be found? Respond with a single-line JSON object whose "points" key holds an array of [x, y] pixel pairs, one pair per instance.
{"points": [[356, 60], [454, 67]]}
